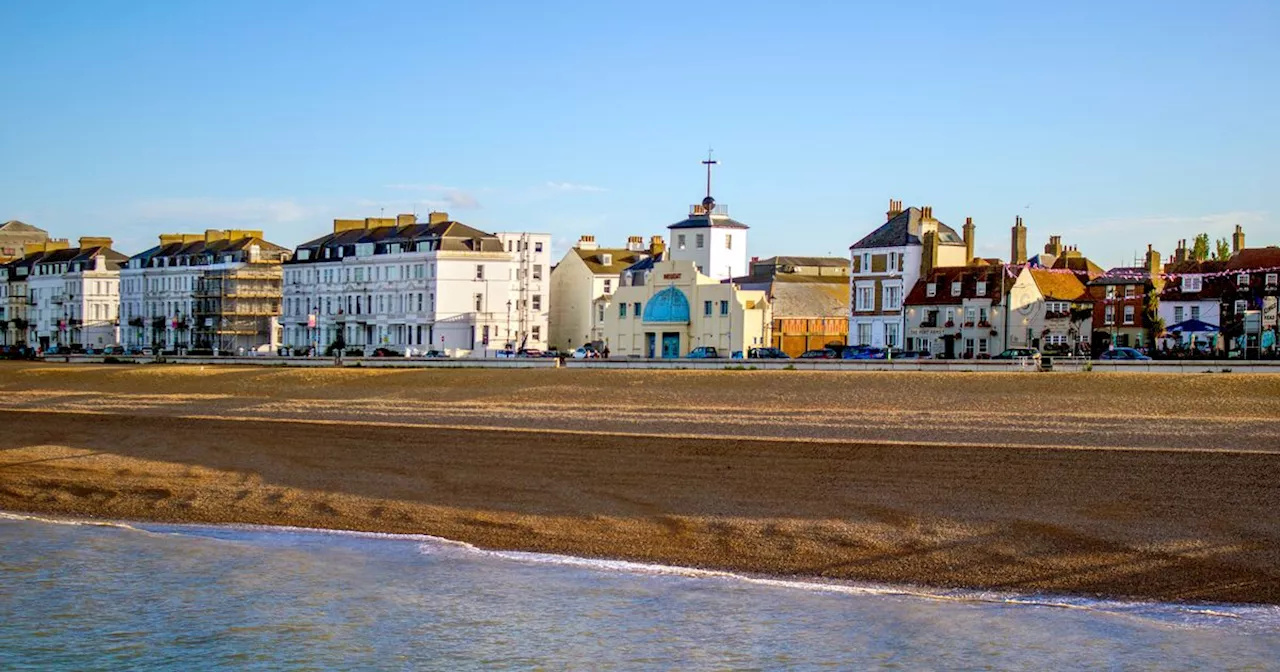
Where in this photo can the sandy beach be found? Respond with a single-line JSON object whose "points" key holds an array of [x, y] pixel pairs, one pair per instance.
{"points": [[1151, 486]]}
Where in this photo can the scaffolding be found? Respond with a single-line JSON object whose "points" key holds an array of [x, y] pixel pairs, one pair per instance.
{"points": [[238, 308]]}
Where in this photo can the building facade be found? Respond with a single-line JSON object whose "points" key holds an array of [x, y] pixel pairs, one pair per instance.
{"points": [[972, 312], [716, 244], [165, 305], [1122, 299], [15, 236], [669, 308], [73, 296], [406, 285], [583, 282], [809, 298], [885, 264]]}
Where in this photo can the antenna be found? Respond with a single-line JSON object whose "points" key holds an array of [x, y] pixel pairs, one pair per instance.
{"points": [[709, 163]]}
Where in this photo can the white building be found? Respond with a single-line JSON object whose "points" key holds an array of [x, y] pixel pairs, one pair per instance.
{"points": [[73, 296], [885, 265], [407, 285], [582, 283], [715, 244], [160, 290]]}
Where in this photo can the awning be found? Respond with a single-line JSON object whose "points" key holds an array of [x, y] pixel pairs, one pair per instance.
{"points": [[1193, 327]]}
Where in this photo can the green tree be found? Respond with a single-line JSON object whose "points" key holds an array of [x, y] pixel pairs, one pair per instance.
{"points": [[1222, 250], [1200, 248]]}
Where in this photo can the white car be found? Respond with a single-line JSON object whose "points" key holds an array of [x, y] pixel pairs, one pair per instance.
{"points": [[585, 353]]}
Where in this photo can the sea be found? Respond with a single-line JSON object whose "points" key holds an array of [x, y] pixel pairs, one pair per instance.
{"points": [[93, 595]]}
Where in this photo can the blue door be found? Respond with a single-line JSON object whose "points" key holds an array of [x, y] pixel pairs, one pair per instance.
{"points": [[670, 345], [650, 345]]}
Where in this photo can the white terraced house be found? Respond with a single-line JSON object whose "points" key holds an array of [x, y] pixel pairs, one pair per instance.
{"points": [[415, 287], [164, 303], [73, 295]]}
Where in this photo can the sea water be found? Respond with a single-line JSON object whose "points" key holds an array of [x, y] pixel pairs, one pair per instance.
{"points": [[79, 595]]}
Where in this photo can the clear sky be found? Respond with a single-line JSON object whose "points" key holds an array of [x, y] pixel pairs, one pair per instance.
{"points": [[1114, 124]]}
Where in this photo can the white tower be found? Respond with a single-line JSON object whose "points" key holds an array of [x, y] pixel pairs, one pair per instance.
{"points": [[708, 238]]}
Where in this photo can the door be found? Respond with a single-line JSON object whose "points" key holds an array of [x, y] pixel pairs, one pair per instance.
{"points": [[650, 345], [949, 347], [670, 345]]}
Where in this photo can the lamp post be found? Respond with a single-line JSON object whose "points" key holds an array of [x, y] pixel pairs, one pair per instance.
{"points": [[510, 341]]}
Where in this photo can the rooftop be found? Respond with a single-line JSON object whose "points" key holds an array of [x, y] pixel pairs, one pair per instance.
{"points": [[904, 229]]}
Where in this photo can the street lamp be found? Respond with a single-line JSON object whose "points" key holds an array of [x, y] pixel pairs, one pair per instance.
{"points": [[510, 341]]}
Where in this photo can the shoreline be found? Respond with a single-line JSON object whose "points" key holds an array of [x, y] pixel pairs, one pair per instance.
{"points": [[1127, 513]]}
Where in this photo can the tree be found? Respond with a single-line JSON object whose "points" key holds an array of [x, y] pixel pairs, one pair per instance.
{"points": [[1200, 248], [1222, 250]]}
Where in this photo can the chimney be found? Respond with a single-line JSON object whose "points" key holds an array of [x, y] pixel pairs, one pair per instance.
{"points": [[1054, 247], [635, 243], [1153, 263], [587, 242], [895, 209], [170, 238], [926, 213], [94, 241], [339, 225], [968, 240], [1237, 240], [1181, 254], [241, 234], [437, 218], [1018, 251], [50, 245], [928, 252], [656, 246], [406, 220]]}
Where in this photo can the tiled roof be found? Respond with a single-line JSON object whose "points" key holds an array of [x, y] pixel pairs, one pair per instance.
{"points": [[452, 236], [1058, 286], [200, 247], [807, 299], [824, 262], [15, 226], [969, 277], [1123, 275], [700, 222], [1080, 264], [622, 258], [904, 229], [1254, 257]]}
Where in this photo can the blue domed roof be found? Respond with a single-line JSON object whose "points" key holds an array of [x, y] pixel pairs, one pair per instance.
{"points": [[668, 305]]}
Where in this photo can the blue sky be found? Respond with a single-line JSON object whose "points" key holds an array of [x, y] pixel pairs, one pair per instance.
{"points": [[1112, 124]]}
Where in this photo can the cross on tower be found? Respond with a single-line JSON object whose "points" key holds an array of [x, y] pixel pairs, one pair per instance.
{"points": [[708, 163]]}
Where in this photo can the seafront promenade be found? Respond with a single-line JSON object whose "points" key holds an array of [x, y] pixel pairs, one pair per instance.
{"points": [[1132, 485]]}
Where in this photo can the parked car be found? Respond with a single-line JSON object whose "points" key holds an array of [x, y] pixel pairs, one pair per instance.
{"points": [[907, 354], [505, 354], [766, 353], [704, 352], [113, 350], [1124, 354], [820, 353], [1018, 353], [586, 352], [387, 352], [433, 354], [864, 352], [529, 352]]}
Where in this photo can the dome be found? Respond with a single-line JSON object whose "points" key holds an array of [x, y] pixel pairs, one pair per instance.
{"points": [[668, 305]]}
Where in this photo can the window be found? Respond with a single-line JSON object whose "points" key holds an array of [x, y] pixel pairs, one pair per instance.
{"points": [[893, 261], [1177, 313], [537, 247], [969, 314], [600, 313], [537, 328], [980, 288], [636, 312], [955, 288], [1109, 315], [608, 285], [931, 289], [1242, 279], [865, 299], [724, 307], [537, 302], [1191, 283], [479, 302], [680, 241], [728, 241], [864, 333], [982, 346], [537, 271], [1130, 291], [706, 308], [700, 238], [1195, 312], [891, 335], [622, 310], [892, 298], [1128, 314], [1241, 306], [1111, 291], [982, 316], [479, 271], [866, 262]]}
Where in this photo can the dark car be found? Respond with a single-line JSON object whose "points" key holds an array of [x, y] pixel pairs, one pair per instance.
{"points": [[387, 352], [433, 353], [864, 352], [1124, 354], [820, 353], [704, 352], [1018, 353], [529, 352], [766, 353]]}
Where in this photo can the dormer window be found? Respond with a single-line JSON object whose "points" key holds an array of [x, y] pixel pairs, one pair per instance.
{"points": [[1271, 280], [1191, 283], [626, 279], [931, 289], [1242, 279], [606, 259], [980, 288], [955, 288]]}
